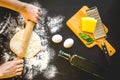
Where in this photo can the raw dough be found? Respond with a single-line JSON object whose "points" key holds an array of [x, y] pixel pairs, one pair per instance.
{"points": [[34, 44]]}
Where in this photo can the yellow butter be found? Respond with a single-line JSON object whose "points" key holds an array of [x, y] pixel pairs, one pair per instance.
{"points": [[89, 24]]}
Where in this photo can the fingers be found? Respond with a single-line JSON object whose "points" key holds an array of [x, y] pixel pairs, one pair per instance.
{"points": [[37, 17], [32, 13], [38, 14], [18, 73], [37, 8], [19, 67], [19, 61]]}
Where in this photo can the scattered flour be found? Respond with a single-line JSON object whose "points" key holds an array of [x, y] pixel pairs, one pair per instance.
{"points": [[41, 61], [50, 71], [55, 23], [40, 64]]}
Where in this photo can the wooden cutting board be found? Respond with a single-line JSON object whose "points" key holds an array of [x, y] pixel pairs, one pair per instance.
{"points": [[74, 23]]}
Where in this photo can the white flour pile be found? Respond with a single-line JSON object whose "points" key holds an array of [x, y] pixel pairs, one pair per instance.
{"points": [[55, 23], [40, 64]]}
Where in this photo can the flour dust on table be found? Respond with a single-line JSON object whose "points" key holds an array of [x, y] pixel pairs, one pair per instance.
{"points": [[40, 63], [55, 23]]}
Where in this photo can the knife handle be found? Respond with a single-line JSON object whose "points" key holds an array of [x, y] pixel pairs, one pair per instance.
{"points": [[105, 53], [111, 50]]}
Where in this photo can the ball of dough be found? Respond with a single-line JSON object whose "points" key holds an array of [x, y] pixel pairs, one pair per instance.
{"points": [[57, 38], [68, 43]]}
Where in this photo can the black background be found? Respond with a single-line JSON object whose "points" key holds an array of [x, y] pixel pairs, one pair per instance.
{"points": [[109, 12]]}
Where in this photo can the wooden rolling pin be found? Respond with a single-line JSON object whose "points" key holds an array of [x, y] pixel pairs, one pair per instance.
{"points": [[26, 37], [21, 50]]}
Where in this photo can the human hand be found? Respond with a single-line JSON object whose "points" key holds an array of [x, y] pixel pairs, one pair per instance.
{"points": [[11, 68], [31, 12]]}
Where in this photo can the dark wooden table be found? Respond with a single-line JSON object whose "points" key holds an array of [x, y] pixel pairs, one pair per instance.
{"points": [[109, 12]]}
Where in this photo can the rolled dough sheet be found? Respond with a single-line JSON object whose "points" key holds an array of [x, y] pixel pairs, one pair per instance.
{"points": [[34, 45]]}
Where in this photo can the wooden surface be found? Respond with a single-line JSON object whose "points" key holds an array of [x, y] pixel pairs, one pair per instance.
{"points": [[74, 23]]}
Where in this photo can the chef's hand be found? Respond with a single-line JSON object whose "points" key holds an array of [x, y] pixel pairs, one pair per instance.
{"points": [[31, 12], [11, 68]]}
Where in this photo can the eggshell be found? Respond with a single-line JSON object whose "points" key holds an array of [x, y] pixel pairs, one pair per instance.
{"points": [[68, 43], [57, 38]]}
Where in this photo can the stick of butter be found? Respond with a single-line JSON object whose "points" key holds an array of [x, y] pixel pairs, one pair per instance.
{"points": [[89, 24]]}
